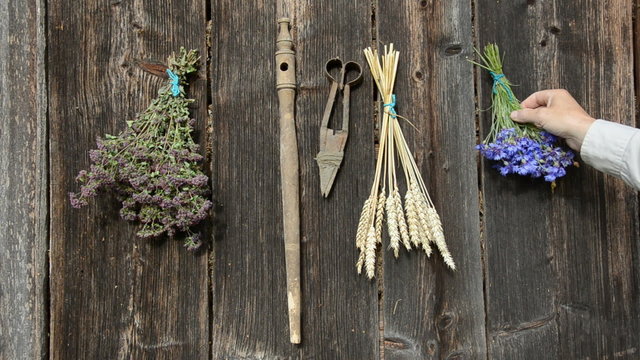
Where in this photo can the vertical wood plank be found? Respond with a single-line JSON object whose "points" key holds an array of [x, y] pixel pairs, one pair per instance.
{"points": [[429, 311], [23, 182], [340, 307], [115, 296], [636, 52], [249, 287], [562, 268]]}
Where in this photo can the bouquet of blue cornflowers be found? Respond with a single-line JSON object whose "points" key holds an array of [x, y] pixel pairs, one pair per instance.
{"points": [[517, 148], [153, 165]]}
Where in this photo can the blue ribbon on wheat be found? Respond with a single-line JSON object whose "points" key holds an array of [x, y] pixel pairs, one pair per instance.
{"points": [[392, 106]]}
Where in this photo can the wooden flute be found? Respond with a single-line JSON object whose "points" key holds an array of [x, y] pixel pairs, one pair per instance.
{"points": [[286, 88]]}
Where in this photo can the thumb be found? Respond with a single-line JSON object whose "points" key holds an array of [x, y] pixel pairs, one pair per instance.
{"points": [[528, 116]]}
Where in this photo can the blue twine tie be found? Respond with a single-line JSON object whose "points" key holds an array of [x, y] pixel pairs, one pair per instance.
{"points": [[392, 106], [175, 82], [498, 79]]}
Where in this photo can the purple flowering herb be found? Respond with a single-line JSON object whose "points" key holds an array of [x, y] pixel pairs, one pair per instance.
{"points": [[153, 166], [517, 148]]}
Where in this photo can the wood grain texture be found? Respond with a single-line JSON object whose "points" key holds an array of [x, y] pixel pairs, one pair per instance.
{"points": [[115, 296], [340, 308], [562, 268], [248, 275], [23, 182], [636, 53], [431, 312]]}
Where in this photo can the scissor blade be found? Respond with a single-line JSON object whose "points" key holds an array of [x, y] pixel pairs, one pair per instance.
{"points": [[328, 170], [327, 177]]}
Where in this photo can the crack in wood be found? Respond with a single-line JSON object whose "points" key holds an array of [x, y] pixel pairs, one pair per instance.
{"points": [[526, 326]]}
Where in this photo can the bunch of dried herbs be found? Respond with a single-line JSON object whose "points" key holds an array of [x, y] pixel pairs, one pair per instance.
{"points": [[517, 148], [153, 166]]}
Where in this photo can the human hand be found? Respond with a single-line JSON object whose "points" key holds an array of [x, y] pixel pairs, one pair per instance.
{"points": [[557, 112]]}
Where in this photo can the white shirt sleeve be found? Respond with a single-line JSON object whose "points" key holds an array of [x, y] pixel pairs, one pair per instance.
{"points": [[613, 149]]}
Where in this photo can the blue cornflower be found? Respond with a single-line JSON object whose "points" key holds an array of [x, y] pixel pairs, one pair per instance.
{"points": [[523, 155]]}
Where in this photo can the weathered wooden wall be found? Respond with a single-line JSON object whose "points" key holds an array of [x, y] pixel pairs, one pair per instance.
{"points": [[541, 275]]}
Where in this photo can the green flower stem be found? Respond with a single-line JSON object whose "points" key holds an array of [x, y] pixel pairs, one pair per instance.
{"points": [[503, 100]]}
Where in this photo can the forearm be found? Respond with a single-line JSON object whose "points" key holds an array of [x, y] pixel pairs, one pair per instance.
{"points": [[614, 149]]}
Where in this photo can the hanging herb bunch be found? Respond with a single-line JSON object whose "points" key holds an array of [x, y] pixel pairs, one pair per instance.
{"points": [[417, 224], [516, 148], [153, 165]]}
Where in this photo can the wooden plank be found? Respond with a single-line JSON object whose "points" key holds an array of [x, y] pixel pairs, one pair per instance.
{"points": [[248, 276], [23, 182], [115, 296], [340, 307], [429, 311], [562, 279], [636, 51]]}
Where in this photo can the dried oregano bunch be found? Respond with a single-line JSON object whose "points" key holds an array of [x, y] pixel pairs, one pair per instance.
{"points": [[153, 165]]}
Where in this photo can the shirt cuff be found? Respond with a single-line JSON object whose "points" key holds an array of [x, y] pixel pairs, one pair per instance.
{"points": [[605, 144]]}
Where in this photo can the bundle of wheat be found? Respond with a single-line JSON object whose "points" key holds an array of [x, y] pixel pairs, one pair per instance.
{"points": [[415, 225]]}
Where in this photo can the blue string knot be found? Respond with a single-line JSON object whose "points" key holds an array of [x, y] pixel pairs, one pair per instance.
{"points": [[175, 82], [498, 79], [392, 106]]}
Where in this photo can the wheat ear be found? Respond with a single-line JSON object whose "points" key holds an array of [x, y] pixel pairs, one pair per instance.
{"points": [[360, 261], [402, 223], [427, 235], [380, 216], [412, 218], [392, 226], [370, 256], [438, 236], [363, 225]]}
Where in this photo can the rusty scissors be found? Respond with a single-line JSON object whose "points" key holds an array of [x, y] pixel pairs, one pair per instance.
{"points": [[333, 141]]}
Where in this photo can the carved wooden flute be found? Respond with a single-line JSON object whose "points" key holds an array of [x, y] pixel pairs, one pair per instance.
{"points": [[286, 87]]}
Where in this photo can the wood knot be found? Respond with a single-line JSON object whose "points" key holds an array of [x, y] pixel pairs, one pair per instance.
{"points": [[446, 320], [432, 347], [395, 344], [554, 30], [452, 50], [424, 3], [418, 76], [445, 166], [151, 67]]}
